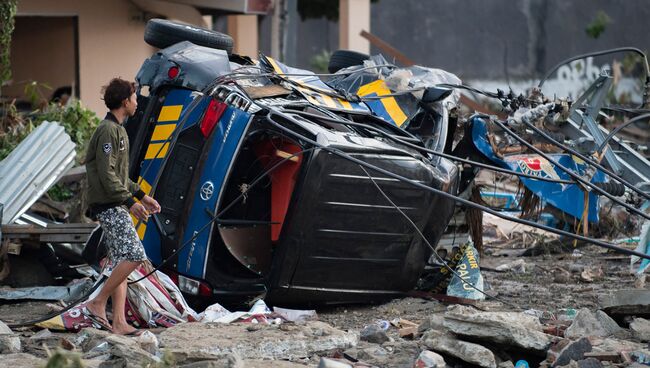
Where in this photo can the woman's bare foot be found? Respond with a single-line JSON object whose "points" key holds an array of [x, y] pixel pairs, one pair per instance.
{"points": [[98, 311], [123, 329]]}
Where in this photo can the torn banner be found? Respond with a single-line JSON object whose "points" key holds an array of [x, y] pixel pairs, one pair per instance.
{"points": [[153, 302], [464, 263]]}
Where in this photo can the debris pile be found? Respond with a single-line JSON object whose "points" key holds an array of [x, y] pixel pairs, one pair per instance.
{"points": [[214, 344], [430, 334]]}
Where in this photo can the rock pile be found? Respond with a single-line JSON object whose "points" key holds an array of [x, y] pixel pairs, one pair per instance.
{"points": [[191, 345], [456, 336], [467, 336]]}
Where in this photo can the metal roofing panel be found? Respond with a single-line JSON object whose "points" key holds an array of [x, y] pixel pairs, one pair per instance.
{"points": [[33, 167]]}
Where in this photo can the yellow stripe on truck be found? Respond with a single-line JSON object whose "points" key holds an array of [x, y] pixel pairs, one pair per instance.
{"points": [[156, 150], [329, 101], [145, 186], [390, 104], [345, 104], [162, 132], [142, 229], [140, 226], [170, 113]]}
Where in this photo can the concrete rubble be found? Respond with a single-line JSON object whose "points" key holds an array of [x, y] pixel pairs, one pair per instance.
{"points": [[626, 302], [612, 333], [465, 351], [374, 333], [506, 328], [454, 336], [429, 359], [588, 323], [9, 342], [567, 350], [284, 342], [640, 328]]}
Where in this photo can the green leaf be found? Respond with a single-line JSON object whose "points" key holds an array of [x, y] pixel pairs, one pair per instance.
{"points": [[597, 26]]}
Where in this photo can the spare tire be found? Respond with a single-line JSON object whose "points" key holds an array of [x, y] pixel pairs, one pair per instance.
{"points": [[344, 58], [163, 33]]}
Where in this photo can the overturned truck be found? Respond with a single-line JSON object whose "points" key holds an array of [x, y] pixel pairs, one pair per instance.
{"points": [[275, 182]]}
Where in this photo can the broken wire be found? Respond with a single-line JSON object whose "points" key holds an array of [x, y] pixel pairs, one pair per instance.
{"points": [[590, 161], [441, 192], [569, 171], [440, 154], [426, 241]]}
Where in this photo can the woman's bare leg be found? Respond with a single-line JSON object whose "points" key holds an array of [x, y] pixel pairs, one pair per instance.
{"points": [[120, 326], [97, 306]]}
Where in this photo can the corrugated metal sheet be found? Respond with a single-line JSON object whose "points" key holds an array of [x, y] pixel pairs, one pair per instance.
{"points": [[33, 167]]}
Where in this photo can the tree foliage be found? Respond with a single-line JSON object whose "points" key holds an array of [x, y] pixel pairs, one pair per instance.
{"points": [[78, 121], [7, 13], [598, 25]]}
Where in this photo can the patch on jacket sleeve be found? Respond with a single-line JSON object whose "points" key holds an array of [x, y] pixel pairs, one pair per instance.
{"points": [[107, 148]]}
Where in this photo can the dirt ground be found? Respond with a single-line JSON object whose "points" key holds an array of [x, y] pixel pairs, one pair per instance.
{"points": [[549, 283]]}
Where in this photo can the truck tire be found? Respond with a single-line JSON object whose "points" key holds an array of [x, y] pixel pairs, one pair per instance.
{"points": [[344, 58], [163, 33], [95, 248]]}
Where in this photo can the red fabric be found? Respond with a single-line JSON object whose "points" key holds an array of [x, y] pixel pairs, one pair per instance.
{"points": [[283, 179]]}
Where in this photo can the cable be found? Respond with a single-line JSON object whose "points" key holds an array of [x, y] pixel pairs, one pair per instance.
{"points": [[392, 94], [568, 171], [436, 153], [613, 175], [70, 306], [216, 217], [444, 194], [597, 53], [589, 160], [622, 109], [471, 89], [433, 250], [618, 129]]}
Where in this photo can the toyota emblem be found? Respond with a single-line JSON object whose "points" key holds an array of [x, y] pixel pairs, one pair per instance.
{"points": [[207, 189]]}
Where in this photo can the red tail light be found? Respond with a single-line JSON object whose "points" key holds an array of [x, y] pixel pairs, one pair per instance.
{"points": [[173, 72], [212, 115], [205, 289]]}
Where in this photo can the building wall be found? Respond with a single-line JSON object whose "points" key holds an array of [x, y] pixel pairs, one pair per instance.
{"points": [[110, 41], [33, 58], [487, 39]]}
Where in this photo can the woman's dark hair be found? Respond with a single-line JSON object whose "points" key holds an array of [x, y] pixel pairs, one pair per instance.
{"points": [[117, 91]]}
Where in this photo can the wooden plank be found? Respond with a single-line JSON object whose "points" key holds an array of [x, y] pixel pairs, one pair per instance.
{"points": [[44, 231], [606, 356], [63, 238], [91, 225], [51, 229], [387, 48], [74, 174], [54, 233]]}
